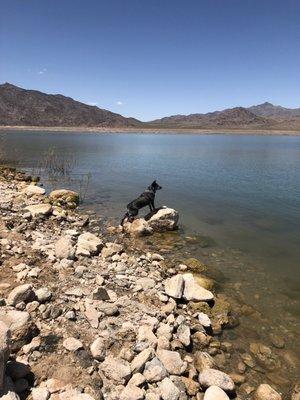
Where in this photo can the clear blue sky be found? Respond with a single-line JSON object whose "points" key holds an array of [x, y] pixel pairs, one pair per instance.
{"points": [[152, 58]]}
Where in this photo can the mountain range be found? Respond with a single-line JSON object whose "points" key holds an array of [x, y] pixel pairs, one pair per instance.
{"points": [[22, 107]]}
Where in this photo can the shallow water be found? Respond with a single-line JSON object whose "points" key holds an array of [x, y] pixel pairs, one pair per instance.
{"points": [[239, 195]]}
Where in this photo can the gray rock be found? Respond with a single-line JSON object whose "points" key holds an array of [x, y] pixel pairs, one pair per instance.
{"points": [[172, 361], [64, 248], [213, 377], [184, 334], [155, 371], [174, 286], [19, 294], [168, 390], [215, 393], [266, 392], [204, 320]]}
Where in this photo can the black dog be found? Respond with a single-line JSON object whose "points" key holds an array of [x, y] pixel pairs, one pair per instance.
{"points": [[145, 199]]}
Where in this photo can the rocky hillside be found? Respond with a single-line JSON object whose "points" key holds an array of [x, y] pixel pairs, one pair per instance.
{"points": [[32, 108], [265, 116]]}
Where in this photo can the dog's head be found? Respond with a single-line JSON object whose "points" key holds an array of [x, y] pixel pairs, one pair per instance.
{"points": [[154, 186]]}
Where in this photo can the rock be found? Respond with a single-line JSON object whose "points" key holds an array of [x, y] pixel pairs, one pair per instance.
{"points": [[88, 244], [39, 210], [137, 380], [154, 371], [213, 377], [43, 294], [74, 394], [204, 320], [266, 392], [40, 394], [98, 349], [203, 361], [18, 322], [145, 334], [100, 294], [72, 344], [4, 350], [132, 393], [192, 387], [140, 360], [146, 283], [64, 248], [215, 393], [139, 227], [19, 294], [33, 190], [111, 249], [116, 369], [168, 390], [193, 292], [165, 219], [64, 197], [174, 286], [184, 334], [172, 361]]}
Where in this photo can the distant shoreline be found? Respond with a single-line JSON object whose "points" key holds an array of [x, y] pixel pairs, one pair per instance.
{"points": [[227, 131]]}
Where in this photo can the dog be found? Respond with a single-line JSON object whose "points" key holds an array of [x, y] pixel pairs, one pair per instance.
{"points": [[145, 199]]}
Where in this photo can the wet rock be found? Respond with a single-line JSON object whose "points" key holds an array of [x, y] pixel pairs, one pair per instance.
{"points": [[174, 286], [213, 377], [194, 292], [215, 393], [155, 371], [64, 248], [72, 344], [39, 210], [64, 197], [168, 390], [266, 392], [88, 244], [116, 369], [172, 361], [22, 293], [98, 349], [165, 219], [140, 360]]}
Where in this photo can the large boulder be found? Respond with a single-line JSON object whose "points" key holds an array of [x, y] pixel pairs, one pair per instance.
{"points": [[64, 197], [165, 219]]}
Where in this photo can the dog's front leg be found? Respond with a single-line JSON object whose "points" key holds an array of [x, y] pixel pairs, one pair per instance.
{"points": [[152, 205]]}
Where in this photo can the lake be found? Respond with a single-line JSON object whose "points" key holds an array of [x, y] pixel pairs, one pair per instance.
{"points": [[238, 193]]}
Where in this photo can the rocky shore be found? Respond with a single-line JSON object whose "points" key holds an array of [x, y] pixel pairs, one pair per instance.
{"points": [[84, 317]]}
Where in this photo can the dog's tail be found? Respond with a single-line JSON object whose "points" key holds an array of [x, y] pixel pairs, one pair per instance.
{"points": [[123, 219]]}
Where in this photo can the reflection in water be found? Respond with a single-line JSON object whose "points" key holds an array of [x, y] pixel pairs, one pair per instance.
{"points": [[239, 204]]}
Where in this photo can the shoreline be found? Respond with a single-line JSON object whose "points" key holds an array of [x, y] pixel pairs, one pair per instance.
{"points": [[110, 307], [233, 131]]}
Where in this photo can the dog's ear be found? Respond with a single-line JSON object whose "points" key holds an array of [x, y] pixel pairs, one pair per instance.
{"points": [[153, 183]]}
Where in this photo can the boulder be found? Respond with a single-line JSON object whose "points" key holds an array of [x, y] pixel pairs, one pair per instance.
{"points": [[139, 227], [165, 219], [19, 294], [4, 350], [174, 286], [215, 393], [33, 190], [194, 292], [21, 328], [88, 245], [213, 377], [64, 248], [266, 392], [39, 210], [64, 197]]}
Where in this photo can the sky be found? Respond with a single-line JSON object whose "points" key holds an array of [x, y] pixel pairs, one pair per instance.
{"points": [[152, 58]]}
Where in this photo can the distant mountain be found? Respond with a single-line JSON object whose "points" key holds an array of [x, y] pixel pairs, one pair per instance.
{"points": [[29, 107], [269, 110], [264, 116]]}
